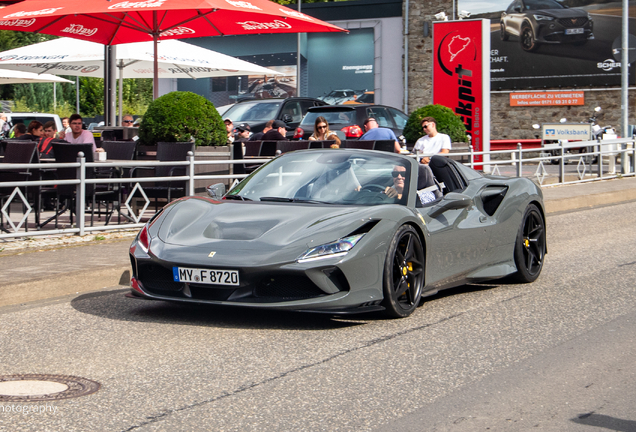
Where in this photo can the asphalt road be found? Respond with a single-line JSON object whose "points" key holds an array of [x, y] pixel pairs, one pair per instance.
{"points": [[555, 355]]}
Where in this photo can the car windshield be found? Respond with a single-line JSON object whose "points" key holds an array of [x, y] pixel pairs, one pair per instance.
{"points": [[340, 177], [334, 118], [28, 119], [252, 111], [542, 4], [341, 93]]}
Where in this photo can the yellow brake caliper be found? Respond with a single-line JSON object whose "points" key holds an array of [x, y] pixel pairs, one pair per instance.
{"points": [[407, 268]]}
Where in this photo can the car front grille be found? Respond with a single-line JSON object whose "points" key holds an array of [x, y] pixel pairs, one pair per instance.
{"points": [[275, 287], [285, 288], [158, 279], [572, 22]]}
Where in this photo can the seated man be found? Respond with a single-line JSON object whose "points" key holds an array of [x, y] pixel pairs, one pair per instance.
{"points": [[432, 142], [79, 135], [375, 133]]}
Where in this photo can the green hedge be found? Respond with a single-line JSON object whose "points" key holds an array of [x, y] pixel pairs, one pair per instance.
{"points": [[181, 116], [447, 122]]}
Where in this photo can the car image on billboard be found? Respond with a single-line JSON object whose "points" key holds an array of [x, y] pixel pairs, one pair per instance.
{"points": [[537, 22]]}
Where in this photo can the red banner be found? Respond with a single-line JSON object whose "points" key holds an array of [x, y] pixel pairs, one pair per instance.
{"points": [[459, 79]]}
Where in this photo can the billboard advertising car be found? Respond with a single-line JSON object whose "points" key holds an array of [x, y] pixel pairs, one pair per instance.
{"points": [[550, 43]]}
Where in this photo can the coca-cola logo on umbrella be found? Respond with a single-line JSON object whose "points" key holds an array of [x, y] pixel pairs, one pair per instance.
{"points": [[296, 14], [18, 23], [89, 69], [242, 4], [80, 30], [137, 5], [254, 25], [33, 13], [177, 31]]}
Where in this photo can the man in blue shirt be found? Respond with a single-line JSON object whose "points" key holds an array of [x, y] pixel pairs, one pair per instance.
{"points": [[376, 133]]}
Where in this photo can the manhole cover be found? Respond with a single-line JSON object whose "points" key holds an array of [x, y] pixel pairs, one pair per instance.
{"points": [[36, 387]]}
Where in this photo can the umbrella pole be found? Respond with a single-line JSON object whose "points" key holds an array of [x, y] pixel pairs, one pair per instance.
{"points": [[155, 71], [77, 95], [121, 91]]}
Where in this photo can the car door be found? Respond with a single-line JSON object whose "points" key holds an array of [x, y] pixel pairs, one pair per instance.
{"points": [[291, 113], [514, 17], [400, 119], [458, 234]]}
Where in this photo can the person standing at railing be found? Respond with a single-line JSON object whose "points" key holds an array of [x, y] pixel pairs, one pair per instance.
{"points": [[432, 142], [79, 135]]}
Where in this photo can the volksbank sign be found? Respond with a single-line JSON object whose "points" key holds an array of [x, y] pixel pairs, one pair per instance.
{"points": [[567, 131]]}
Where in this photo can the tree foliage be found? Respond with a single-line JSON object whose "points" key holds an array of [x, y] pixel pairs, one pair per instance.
{"points": [[180, 117], [137, 93], [446, 120]]}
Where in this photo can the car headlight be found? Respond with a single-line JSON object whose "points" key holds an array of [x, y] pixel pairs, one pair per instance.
{"points": [[337, 248], [543, 18]]}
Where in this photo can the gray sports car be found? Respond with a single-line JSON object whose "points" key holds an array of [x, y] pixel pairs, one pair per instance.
{"points": [[342, 231], [538, 22]]}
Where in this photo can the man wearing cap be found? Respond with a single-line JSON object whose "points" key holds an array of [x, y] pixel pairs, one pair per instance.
{"points": [[229, 127], [277, 133], [243, 133], [376, 133]]}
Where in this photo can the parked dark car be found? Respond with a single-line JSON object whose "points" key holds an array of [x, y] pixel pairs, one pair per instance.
{"points": [[258, 112], [538, 22], [350, 119]]}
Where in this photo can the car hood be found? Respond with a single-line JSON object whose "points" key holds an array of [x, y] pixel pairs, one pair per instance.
{"points": [[267, 230], [561, 13]]}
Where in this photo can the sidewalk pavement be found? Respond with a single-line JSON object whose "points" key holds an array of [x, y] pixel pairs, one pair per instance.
{"points": [[39, 273]]}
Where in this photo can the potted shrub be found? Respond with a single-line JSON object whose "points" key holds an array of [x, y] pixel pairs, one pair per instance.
{"points": [[182, 117], [446, 120]]}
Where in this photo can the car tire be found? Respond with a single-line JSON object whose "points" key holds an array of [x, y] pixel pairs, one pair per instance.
{"points": [[530, 246], [527, 39], [502, 34], [403, 273]]}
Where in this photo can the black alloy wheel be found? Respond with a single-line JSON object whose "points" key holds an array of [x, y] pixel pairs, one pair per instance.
{"points": [[403, 273], [528, 41], [530, 247], [503, 35]]}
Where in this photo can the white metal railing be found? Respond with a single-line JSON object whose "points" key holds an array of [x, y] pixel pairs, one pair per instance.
{"points": [[518, 158]]}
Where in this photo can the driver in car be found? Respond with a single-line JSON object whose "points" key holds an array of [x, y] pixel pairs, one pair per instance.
{"points": [[399, 178]]}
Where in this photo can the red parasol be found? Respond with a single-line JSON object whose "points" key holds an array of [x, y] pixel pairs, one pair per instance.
{"points": [[121, 21]]}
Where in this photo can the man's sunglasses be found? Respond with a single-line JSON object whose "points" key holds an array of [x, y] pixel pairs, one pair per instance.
{"points": [[127, 121], [398, 173], [424, 126]]}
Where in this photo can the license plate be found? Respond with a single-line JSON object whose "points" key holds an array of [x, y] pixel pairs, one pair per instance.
{"points": [[205, 276], [574, 31]]}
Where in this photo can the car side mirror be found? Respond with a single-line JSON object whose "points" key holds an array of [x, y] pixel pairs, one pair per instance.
{"points": [[216, 191], [451, 201], [517, 8], [287, 118]]}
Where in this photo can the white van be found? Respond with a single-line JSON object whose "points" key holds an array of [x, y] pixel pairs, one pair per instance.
{"points": [[26, 118]]}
